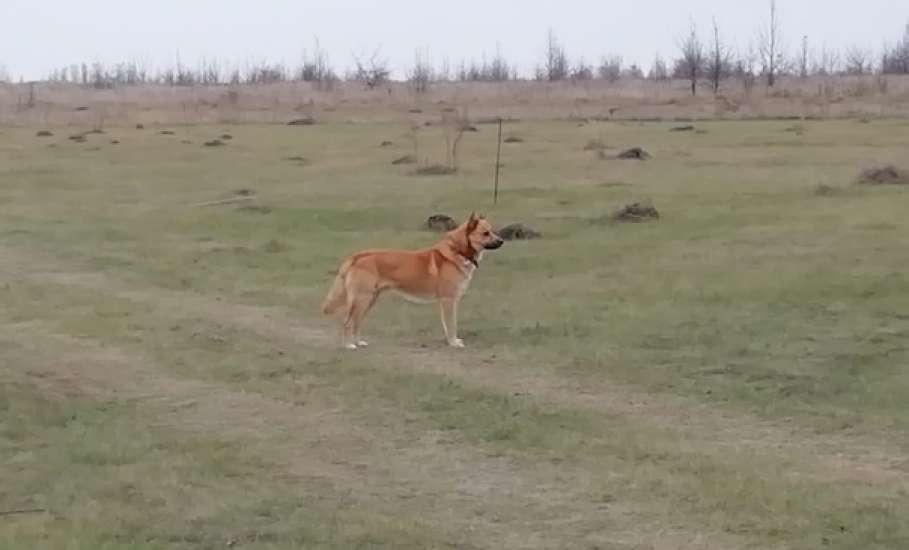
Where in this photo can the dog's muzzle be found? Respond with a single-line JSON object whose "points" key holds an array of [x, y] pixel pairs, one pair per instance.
{"points": [[494, 244]]}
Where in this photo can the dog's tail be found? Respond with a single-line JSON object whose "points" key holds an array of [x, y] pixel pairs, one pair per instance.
{"points": [[337, 294]]}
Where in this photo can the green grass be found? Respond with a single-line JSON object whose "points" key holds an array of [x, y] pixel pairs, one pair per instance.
{"points": [[108, 479], [752, 295]]}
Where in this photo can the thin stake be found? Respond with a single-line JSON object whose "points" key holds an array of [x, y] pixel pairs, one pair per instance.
{"points": [[495, 192]]}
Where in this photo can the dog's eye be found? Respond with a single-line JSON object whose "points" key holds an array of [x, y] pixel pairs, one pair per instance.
{"points": [[486, 233]]}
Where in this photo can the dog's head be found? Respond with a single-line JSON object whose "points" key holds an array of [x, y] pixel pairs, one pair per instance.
{"points": [[477, 232]]}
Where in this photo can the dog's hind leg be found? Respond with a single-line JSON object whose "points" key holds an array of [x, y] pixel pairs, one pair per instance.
{"points": [[358, 305], [350, 320], [360, 317]]}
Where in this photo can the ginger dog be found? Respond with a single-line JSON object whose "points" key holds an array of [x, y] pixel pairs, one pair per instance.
{"points": [[439, 274]]}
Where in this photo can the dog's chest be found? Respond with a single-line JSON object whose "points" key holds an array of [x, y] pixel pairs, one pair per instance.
{"points": [[469, 270]]}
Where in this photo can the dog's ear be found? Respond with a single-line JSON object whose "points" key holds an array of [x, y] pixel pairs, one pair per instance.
{"points": [[472, 222]]}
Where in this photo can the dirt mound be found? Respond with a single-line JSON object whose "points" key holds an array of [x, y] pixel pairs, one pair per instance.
{"points": [[140, 126], [635, 153], [440, 223], [275, 246], [406, 159], [637, 212], [514, 139], [386, 143], [824, 190], [685, 128], [296, 158], [435, 170], [518, 232], [305, 121], [115, 142], [44, 133], [613, 184], [255, 209], [226, 137], [167, 132], [884, 175], [214, 143]]}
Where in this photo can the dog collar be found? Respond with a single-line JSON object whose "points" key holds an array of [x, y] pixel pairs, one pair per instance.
{"points": [[471, 256]]}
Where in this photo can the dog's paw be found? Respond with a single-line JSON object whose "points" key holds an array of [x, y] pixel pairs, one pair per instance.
{"points": [[456, 343], [362, 344], [350, 346]]}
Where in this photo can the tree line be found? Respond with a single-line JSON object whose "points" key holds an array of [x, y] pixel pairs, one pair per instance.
{"points": [[701, 58]]}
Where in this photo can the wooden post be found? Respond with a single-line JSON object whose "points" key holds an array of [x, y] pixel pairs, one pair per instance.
{"points": [[495, 189]]}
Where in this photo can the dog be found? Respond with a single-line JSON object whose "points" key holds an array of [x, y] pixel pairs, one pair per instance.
{"points": [[438, 274]]}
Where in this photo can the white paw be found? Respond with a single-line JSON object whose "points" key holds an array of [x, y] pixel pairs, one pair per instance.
{"points": [[350, 346], [456, 343], [362, 344]]}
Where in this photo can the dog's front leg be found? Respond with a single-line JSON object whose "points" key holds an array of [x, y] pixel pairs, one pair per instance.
{"points": [[449, 310]]}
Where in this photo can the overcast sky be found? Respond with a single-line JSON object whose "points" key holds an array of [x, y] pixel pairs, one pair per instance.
{"points": [[37, 36]]}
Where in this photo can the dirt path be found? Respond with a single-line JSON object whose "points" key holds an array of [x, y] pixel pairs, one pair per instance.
{"points": [[701, 427], [480, 501]]}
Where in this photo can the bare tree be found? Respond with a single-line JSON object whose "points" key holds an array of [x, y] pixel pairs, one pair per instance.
{"points": [[770, 42], [499, 69], [455, 125], [260, 72], [633, 72], [858, 61], [4, 73], [720, 64], [555, 63], [691, 63], [610, 68], [658, 69], [209, 72], [826, 62], [496, 70], [421, 74], [373, 71], [895, 60], [317, 68], [803, 58], [581, 71], [443, 74], [744, 68]]}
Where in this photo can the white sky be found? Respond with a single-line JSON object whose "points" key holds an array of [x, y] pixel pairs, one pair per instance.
{"points": [[37, 36]]}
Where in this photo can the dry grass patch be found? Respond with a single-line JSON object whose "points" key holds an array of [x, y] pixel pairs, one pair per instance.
{"points": [[884, 175]]}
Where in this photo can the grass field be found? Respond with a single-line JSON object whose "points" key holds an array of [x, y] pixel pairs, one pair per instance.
{"points": [[730, 376]]}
